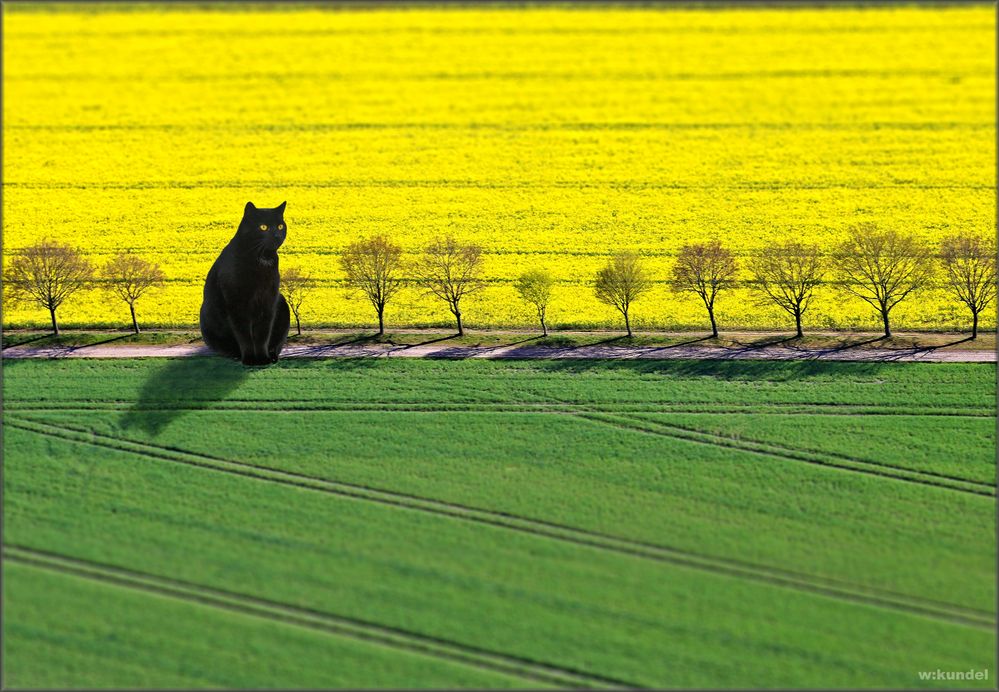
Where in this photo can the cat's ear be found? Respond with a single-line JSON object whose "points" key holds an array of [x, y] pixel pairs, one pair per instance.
{"points": [[249, 208], [280, 207]]}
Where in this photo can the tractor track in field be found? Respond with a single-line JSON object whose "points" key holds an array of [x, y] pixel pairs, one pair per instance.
{"points": [[305, 406], [808, 456], [689, 434], [394, 637], [828, 587]]}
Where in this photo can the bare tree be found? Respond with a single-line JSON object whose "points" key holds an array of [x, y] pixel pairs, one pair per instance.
{"points": [[373, 266], [620, 283], [882, 267], [451, 271], [787, 274], [48, 273], [296, 286], [970, 264], [128, 277], [704, 269], [535, 287]]}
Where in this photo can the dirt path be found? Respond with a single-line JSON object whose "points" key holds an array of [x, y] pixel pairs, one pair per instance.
{"points": [[937, 355]]}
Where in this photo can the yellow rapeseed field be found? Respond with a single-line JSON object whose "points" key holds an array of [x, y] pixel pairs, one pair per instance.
{"points": [[553, 137]]}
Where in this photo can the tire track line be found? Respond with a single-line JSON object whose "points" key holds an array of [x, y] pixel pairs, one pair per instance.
{"points": [[305, 406], [773, 576], [328, 623], [950, 480], [819, 453], [876, 469]]}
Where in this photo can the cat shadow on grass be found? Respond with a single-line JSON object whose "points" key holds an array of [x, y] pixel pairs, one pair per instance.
{"points": [[180, 386]]}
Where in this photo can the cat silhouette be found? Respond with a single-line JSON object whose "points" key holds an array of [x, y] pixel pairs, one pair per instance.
{"points": [[243, 314]]}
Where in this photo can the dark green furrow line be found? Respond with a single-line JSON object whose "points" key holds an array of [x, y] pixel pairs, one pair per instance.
{"points": [[875, 469], [313, 619], [769, 575], [306, 406], [544, 408], [763, 444], [748, 444]]}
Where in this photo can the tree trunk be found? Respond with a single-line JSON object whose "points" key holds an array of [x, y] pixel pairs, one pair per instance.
{"points": [[714, 327], [55, 325], [381, 320], [544, 327], [974, 324], [457, 315], [135, 324], [298, 324], [797, 322], [627, 323], [884, 318]]}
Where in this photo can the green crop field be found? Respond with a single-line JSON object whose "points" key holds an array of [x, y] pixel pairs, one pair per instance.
{"points": [[468, 523]]}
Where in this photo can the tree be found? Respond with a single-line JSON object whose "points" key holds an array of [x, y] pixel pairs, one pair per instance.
{"points": [[970, 264], [535, 287], [451, 271], [787, 274], [620, 283], [373, 266], [704, 269], [48, 273], [296, 285], [882, 267], [128, 277]]}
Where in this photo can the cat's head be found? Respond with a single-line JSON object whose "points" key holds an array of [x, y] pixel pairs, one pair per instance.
{"points": [[265, 228]]}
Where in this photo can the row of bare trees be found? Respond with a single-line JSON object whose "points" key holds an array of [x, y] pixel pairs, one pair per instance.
{"points": [[881, 267], [447, 269], [47, 273]]}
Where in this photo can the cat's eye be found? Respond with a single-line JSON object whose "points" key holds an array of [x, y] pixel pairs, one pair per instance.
{"points": [[280, 226], [263, 227]]}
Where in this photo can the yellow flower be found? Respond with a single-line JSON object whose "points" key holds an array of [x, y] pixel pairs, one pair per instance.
{"points": [[551, 136]]}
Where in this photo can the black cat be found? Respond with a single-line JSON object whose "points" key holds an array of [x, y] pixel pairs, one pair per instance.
{"points": [[243, 314]]}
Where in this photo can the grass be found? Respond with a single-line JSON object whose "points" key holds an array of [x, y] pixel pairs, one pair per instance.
{"points": [[920, 443], [659, 523], [52, 619]]}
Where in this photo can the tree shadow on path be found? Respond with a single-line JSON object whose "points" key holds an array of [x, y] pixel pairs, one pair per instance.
{"points": [[820, 352], [916, 351], [463, 352], [10, 342], [714, 369]]}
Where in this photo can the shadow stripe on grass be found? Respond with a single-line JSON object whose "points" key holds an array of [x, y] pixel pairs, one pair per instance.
{"points": [[313, 619], [303, 405], [774, 576], [871, 468]]}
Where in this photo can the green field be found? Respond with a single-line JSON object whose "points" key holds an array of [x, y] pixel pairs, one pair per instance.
{"points": [[431, 523]]}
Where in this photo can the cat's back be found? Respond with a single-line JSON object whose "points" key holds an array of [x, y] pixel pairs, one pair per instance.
{"points": [[218, 273], [225, 264]]}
